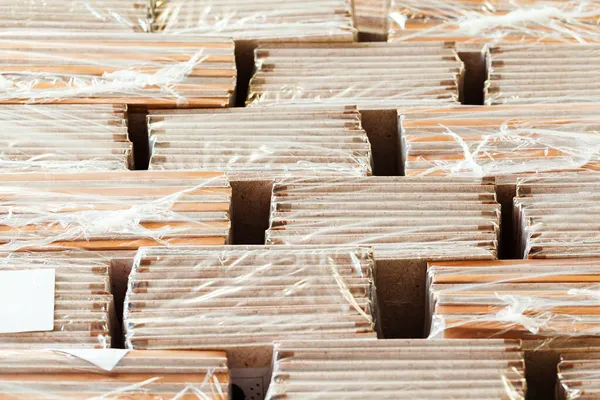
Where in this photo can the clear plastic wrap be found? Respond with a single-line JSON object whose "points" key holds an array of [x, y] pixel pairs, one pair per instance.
{"points": [[113, 211], [61, 138], [105, 68], [407, 220], [526, 299], [557, 215], [241, 299], [113, 374], [261, 143], [84, 314], [398, 369], [371, 75], [543, 73], [500, 140], [578, 376], [76, 15], [311, 20], [494, 20]]}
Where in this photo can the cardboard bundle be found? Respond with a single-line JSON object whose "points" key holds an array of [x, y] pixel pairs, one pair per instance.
{"points": [[76, 15], [499, 140], [241, 299], [542, 73], [398, 369], [371, 75], [525, 299], [370, 16], [312, 20], [408, 221], [578, 376], [130, 68], [113, 211], [95, 374], [47, 137], [494, 20], [556, 216], [261, 143], [79, 307]]}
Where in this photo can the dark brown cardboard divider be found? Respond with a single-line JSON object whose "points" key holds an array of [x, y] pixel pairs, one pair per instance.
{"points": [[138, 135], [474, 77], [251, 206], [382, 130]]}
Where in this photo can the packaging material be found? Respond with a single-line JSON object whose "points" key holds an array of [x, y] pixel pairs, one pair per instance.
{"points": [[94, 374], [267, 143], [83, 308], [76, 15], [241, 299], [494, 20], [153, 71], [371, 16], [370, 75], [61, 138], [408, 221], [542, 73], [578, 375], [287, 20], [113, 211], [398, 369], [499, 140], [556, 215], [526, 299]]}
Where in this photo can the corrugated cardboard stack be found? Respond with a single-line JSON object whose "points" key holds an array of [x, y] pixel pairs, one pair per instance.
{"points": [[135, 375], [62, 138], [273, 20], [76, 15], [408, 221], [543, 73], [500, 140], [155, 71], [371, 75], [578, 376], [398, 369], [370, 16], [242, 299], [526, 299], [557, 216], [261, 143]]}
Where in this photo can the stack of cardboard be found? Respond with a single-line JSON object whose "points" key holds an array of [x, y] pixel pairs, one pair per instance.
{"points": [[556, 216], [499, 140], [242, 299], [526, 299], [47, 137], [78, 375], [113, 211], [579, 376], [408, 221], [371, 75], [329, 20], [76, 15], [370, 16], [79, 307], [135, 68], [542, 73], [398, 369], [261, 143]]}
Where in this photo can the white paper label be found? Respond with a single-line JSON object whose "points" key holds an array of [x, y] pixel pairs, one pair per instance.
{"points": [[27, 300], [107, 359]]}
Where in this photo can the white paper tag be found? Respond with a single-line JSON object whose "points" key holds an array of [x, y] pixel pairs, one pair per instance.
{"points": [[107, 359], [27, 300]]}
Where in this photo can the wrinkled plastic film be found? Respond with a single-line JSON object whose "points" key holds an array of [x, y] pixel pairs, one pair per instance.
{"points": [[61, 138], [494, 21], [370, 75], [58, 374], [311, 20], [276, 143], [245, 298], [76, 15], [400, 369], [535, 300], [499, 140], [140, 69]]}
